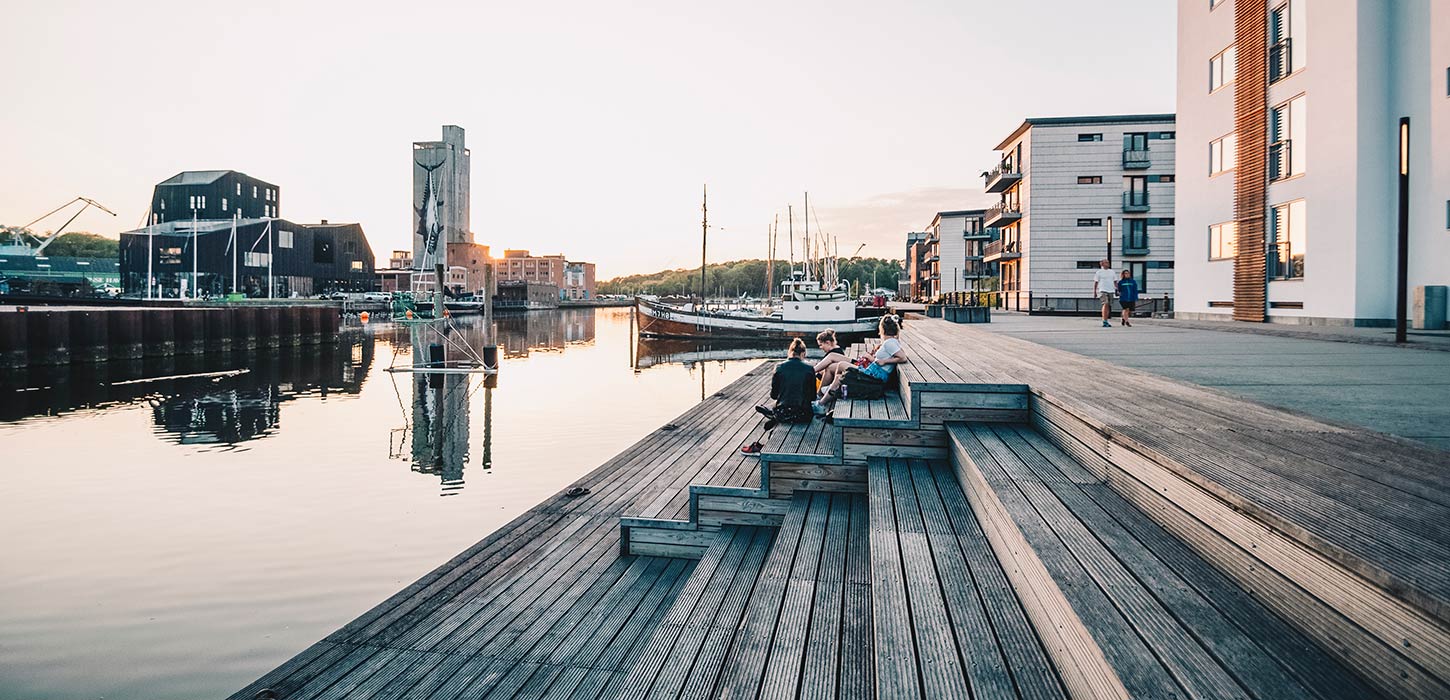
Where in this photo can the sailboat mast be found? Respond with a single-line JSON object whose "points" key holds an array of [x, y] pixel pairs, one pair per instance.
{"points": [[704, 228], [810, 259], [790, 236]]}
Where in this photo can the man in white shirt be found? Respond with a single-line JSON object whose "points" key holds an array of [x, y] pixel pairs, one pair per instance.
{"points": [[1105, 281]]}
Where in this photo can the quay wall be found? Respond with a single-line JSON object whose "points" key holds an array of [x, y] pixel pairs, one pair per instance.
{"points": [[77, 335]]}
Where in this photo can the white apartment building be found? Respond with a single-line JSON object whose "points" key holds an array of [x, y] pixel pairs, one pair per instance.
{"points": [[1075, 190], [1289, 112], [957, 240]]}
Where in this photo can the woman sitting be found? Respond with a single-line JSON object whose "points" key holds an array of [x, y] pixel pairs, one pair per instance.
{"points": [[888, 354], [826, 366], [792, 386]]}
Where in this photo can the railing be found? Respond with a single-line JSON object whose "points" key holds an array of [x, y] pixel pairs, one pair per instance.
{"points": [[1135, 244], [1284, 263], [1027, 302], [1001, 177], [1280, 163], [1001, 211], [1281, 59], [1136, 159], [1000, 247], [1135, 201]]}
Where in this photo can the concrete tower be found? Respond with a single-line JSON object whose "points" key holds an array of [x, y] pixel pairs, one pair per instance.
{"points": [[440, 197]]}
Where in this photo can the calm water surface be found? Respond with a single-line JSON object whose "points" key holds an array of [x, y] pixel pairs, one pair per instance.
{"points": [[178, 539]]}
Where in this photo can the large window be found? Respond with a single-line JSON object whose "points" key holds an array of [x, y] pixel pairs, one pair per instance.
{"points": [[1135, 236], [284, 239], [1221, 68], [1286, 139], [1223, 240], [1287, 232], [1286, 23], [1223, 154]]}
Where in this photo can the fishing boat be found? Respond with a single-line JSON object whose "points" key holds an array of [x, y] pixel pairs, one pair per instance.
{"points": [[813, 299]]}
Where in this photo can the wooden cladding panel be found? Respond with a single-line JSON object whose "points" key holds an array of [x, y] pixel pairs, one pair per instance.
{"points": [[1251, 85]]}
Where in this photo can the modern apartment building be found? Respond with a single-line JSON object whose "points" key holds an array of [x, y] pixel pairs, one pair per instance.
{"points": [[1289, 114], [956, 246], [1075, 190], [916, 282], [214, 194]]}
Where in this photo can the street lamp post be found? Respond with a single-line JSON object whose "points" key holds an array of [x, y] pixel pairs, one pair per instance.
{"points": [[1402, 284], [1110, 241]]}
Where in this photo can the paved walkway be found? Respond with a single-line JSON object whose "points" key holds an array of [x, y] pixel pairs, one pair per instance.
{"points": [[1400, 391]]}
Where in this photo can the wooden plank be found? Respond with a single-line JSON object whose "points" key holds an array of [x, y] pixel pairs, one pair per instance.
{"points": [[821, 668], [896, 666], [788, 645], [711, 659]]}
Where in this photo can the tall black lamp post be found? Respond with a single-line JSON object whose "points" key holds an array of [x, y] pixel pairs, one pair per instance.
{"points": [[1402, 284]]}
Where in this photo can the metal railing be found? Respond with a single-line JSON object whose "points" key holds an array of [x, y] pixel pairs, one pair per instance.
{"points": [[1135, 201], [1281, 59], [1003, 210], [1042, 304], [1136, 159], [1000, 247], [1281, 164], [1135, 243]]}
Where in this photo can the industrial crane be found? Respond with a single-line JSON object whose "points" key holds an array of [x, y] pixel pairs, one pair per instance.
{"points": [[44, 242]]}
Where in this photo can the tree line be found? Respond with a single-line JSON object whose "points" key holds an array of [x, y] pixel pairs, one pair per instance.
{"points": [[76, 244], [737, 277]]}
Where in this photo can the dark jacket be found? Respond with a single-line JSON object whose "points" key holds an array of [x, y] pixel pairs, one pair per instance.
{"points": [[793, 387]]}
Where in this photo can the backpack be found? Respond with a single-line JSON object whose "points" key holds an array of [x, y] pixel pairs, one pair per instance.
{"points": [[859, 385]]}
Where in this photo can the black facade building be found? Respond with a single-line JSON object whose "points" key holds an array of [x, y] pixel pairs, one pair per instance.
{"points": [[214, 194], [290, 258]]}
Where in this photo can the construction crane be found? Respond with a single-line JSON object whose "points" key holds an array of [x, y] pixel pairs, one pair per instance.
{"points": [[44, 242]]}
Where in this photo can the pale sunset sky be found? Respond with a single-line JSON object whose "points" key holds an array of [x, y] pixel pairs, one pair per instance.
{"points": [[592, 124]]}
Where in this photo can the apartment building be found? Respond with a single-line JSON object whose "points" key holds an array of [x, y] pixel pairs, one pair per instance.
{"points": [[1289, 114], [916, 281], [956, 246], [1073, 191]]}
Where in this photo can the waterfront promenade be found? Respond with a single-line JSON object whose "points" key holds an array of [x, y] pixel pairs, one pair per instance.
{"points": [[1014, 520]]}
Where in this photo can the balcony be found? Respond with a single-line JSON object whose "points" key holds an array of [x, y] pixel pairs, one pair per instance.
{"points": [[1281, 164], [981, 234], [1004, 213], [1135, 202], [1281, 59], [1001, 250], [1001, 178], [1135, 244], [1136, 159]]}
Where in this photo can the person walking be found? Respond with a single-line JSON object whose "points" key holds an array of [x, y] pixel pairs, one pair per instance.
{"points": [[1104, 284], [793, 386], [1128, 291]]}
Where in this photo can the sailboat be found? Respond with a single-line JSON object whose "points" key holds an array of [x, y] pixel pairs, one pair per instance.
{"points": [[812, 300]]}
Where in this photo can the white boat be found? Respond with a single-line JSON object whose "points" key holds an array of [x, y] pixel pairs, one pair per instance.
{"points": [[794, 318]]}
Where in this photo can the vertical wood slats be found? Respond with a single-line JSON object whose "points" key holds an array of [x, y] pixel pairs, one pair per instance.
{"points": [[1250, 176]]}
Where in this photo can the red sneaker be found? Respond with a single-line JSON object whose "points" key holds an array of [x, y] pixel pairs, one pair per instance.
{"points": [[752, 448]]}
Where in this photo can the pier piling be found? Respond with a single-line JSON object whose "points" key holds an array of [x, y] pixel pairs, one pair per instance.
{"points": [[49, 337], [159, 329], [88, 334], [124, 334], [219, 330], [14, 348]]}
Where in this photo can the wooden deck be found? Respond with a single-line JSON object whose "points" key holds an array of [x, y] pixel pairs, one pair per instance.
{"points": [[1013, 521]]}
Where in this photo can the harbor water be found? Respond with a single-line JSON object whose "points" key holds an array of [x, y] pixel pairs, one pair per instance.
{"points": [[178, 538]]}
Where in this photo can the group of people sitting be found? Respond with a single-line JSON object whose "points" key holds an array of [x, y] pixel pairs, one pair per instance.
{"points": [[802, 390]]}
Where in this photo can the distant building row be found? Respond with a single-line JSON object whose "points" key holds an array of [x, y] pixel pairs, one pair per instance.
{"points": [[567, 280]]}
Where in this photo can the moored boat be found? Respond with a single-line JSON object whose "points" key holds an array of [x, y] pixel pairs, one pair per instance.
{"points": [[795, 318]]}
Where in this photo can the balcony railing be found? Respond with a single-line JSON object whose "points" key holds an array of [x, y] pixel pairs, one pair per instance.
{"points": [[1135, 201], [1005, 212], [999, 250], [1001, 178], [1281, 59], [1136, 159], [979, 234], [1135, 244], [1281, 164]]}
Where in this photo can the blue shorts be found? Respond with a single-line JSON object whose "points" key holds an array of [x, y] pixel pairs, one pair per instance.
{"points": [[877, 371]]}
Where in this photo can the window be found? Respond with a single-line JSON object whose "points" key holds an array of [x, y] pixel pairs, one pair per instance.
{"points": [[1135, 236], [1088, 264], [1223, 240], [1089, 222], [322, 251], [254, 191], [357, 265], [1167, 178], [256, 259], [192, 200], [1221, 68], [1223, 154], [1167, 135], [224, 203], [1169, 221], [1287, 231], [1285, 22], [1140, 273], [163, 205], [1135, 141], [1089, 179], [284, 239], [1089, 137], [1286, 139], [239, 189]]}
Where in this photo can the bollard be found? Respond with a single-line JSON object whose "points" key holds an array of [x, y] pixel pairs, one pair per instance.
{"points": [[88, 335], [218, 330], [48, 333], [244, 328], [267, 327], [288, 320], [14, 349], [158, 328], [190, 328], [124, 334], [490, 357]]}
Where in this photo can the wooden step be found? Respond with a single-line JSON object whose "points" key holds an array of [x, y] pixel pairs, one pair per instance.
{"points": [[1127, 610], [947, 622]]}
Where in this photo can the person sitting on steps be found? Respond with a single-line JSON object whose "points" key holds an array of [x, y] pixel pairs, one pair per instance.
{"points": [[826, 367], [792, 386], [887, 355]]}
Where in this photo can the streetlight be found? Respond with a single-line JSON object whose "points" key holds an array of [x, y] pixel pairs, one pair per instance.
{"points": [[1403, 282], [1110, 241]]}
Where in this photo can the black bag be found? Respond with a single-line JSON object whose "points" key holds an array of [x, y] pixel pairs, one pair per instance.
{"points": [[859, 385]]}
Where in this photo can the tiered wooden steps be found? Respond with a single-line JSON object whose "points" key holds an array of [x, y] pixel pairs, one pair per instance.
{"points": [[1129, 610], [747, 625], [947, 622]]}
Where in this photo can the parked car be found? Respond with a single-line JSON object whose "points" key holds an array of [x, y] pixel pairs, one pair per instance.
{"points": [[384, 297]]}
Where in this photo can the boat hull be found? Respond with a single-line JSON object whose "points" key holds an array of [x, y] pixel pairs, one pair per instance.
{"points": [[660, 321]]}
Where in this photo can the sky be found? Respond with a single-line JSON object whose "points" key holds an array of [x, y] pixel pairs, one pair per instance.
{"points": [[592, 125]]}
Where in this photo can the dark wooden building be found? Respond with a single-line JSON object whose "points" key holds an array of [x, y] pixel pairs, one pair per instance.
{"points": [[305, 259], [214, 194]]}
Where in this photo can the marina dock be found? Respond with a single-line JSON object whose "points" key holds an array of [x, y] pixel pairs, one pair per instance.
{"points": [[1012, 521]]}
